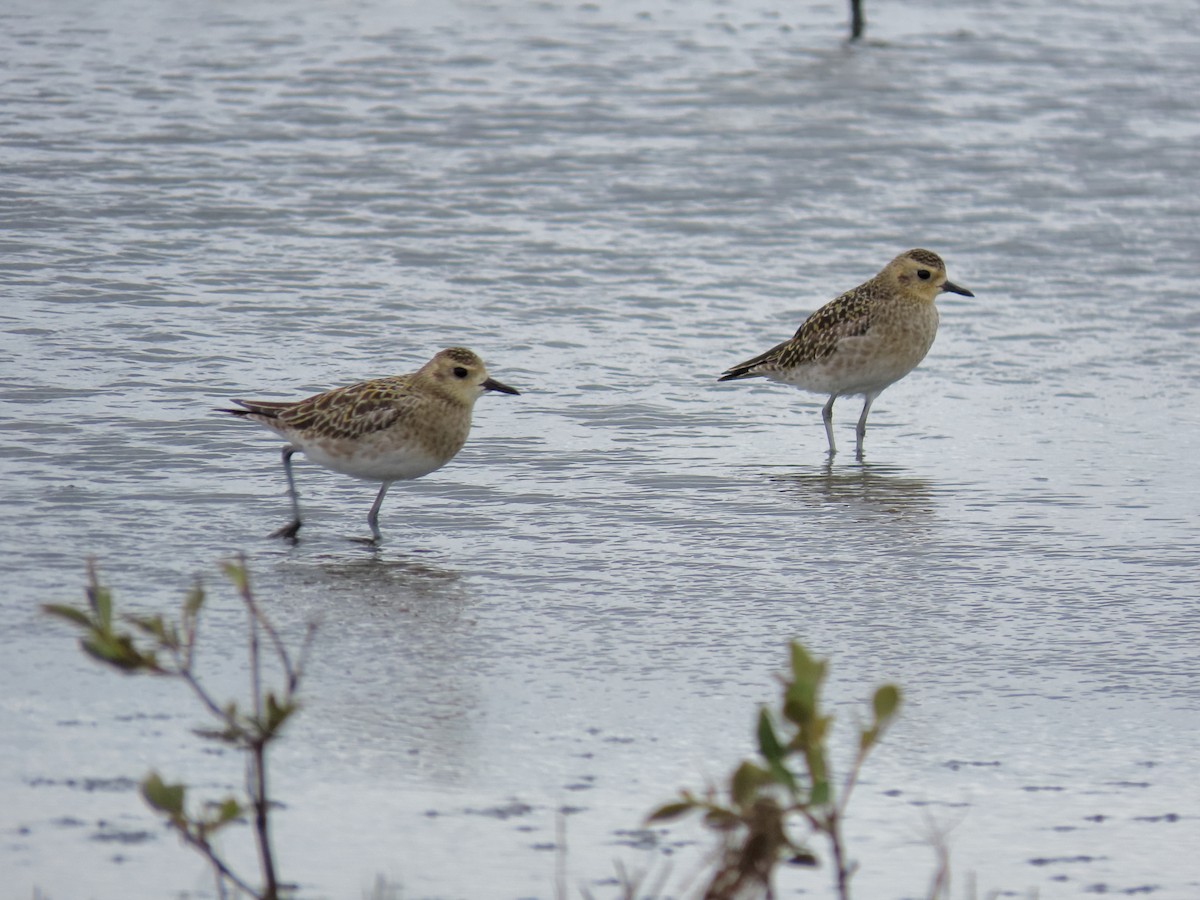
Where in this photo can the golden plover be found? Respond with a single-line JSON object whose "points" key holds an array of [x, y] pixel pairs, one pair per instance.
{"points": [[862, 341], [386, 429]]}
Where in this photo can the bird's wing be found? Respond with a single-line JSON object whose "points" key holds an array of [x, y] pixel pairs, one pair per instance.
{"points": [[817, 337], [355, 410]]}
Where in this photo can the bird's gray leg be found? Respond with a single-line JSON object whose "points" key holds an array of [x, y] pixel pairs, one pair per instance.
{"points": [[289, 530], [861, 430], [827, 417], [373, 515]]}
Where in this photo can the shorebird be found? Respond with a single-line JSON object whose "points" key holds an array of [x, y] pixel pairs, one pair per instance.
{"points": [[864, 340], [387, 429]]}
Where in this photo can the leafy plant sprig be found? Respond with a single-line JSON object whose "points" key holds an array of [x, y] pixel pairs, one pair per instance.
{"points": [[156, 645], [789, 783]]}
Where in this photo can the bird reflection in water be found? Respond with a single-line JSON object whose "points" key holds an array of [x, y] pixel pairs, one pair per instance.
{"points": [[874, 488]]}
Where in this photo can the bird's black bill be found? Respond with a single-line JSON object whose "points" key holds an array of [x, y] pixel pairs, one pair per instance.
{"points": [[493, 385], [955, 289]]}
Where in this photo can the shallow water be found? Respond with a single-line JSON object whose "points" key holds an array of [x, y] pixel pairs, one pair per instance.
{"points": [[611, 203]]}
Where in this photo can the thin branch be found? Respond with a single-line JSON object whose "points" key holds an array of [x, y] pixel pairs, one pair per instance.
{"points": [[191, 625], [252, 640], [306, 646], [235, 727], [813, 822], [261, 620], [258, 793], [256, 769], [851, 779], [215, 861], [276, 641], [834, 832]]}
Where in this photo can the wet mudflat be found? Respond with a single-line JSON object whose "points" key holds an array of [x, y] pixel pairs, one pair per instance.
{"points": [[611, 203]]}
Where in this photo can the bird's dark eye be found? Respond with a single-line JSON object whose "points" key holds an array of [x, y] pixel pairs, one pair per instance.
{"points": [[460, 372], [923, 274]]}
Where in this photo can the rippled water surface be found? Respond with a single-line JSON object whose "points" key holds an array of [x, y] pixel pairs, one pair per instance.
{"points": [[611, 202]]}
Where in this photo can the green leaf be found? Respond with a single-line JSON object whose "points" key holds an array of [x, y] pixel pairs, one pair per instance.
{"points": [[167, 798], [231, 734], [806, 670], [768, 743], [277, 713], [100, 600], [802, 662], [801, 693], [795, 710], [237, 575], [228, 810], [193, 601], [815, 761], [867, 739], [669, 811], [745, 782], [773, 752], [820, 793], [69, 613], [218, 815], [116, 650], [721, 819], [819, 729], [154, 626], [886, 701]]}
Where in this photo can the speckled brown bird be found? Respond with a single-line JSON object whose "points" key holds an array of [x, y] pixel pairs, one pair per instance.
{"points": [[386, 429], [864, 340]]}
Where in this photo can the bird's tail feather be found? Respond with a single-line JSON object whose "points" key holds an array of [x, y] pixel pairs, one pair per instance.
{"points": [[268, 408], [742, 371], [746, 369]]}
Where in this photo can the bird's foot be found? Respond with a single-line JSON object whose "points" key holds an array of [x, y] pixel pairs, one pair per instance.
{"points": [[369, 542], [288, 532]]}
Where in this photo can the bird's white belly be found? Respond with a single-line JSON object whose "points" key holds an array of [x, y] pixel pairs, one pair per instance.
{"points": [[860, 365], [868, 377], [374, 462]]}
